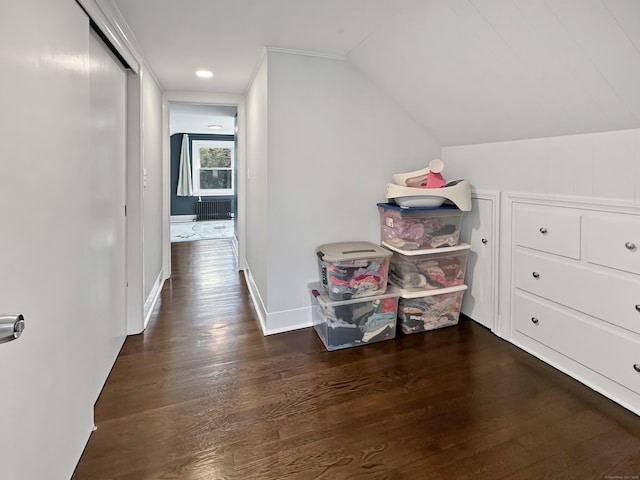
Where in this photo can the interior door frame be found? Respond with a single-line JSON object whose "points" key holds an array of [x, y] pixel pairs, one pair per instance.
{"points": [[237, 101]]}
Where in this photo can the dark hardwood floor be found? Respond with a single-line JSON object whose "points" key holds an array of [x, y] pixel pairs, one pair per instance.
{"points": [[203, 395]]}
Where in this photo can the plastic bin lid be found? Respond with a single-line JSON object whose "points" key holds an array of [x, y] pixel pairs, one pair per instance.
{"points": [[427, 251], [337, 252], [430, 293], [399, 208], [319, 292]]}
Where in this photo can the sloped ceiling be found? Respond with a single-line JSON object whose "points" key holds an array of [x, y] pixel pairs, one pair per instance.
{"points": [[469, 71], [476, 71]]}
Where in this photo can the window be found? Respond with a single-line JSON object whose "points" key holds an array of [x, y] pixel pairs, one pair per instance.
{"points": [[213, 167]]}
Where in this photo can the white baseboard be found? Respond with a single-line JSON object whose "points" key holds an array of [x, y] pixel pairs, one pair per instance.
{"points": [[256, 299], [182, 218], [152, 299], [288, 320], [277, 322]]}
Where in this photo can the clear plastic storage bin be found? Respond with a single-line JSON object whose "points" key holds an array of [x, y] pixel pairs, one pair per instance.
{"points": [[423, 311], [419, 228], [353, 269], [428, 269], [350, 323]]}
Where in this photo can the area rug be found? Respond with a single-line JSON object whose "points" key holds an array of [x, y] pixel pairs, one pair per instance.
{"points": [[189, 231]]}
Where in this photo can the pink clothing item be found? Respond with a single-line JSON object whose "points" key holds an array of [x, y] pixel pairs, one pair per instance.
{"points": [[434, 180], [337, 281]]}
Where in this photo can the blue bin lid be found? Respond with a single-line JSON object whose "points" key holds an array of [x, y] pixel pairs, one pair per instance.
{"points": [[393, 206]]}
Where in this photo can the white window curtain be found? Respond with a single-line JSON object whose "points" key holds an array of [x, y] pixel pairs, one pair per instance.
{"points": [[185, 184]]}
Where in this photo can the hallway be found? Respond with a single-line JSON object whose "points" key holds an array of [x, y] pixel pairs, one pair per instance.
{"points": [[203, 395]]}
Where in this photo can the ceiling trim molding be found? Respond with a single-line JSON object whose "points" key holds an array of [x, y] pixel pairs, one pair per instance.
{"points": [[256, 69], [308, 54], [112, 31], [204, 98], [108, 17], [115, 16]]}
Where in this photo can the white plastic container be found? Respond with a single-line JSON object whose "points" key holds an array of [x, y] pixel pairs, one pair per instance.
{"points": [[418, 270], [356, 322], [353, 269], [423, 311]]}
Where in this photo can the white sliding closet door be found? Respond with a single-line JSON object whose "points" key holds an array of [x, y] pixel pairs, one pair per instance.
{"points": [[108, 91], [62, 250]]}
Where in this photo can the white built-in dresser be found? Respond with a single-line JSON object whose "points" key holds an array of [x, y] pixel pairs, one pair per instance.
{"points": [[572, 288]]}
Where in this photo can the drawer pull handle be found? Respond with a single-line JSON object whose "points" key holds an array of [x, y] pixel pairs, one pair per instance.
{"points": [[630, 246], [535, 321], [543, 230], [636, 367], [484, 240], [637, 308], [536, 275]]}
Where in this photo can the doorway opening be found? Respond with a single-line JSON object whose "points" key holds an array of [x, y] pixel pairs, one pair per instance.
{"points": [[203, 171]]}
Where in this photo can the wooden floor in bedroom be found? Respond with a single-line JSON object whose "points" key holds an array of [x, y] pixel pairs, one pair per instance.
{"points": [[203, 395]]}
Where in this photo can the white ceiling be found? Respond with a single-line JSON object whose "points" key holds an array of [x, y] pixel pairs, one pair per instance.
{"points": [[228, 37], [478, 71], [469, 71], [187, 118]]}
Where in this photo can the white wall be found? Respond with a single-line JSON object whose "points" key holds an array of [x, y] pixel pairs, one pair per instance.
{"points": [[135, 201], [334, 140], [601, 165], [256, 192], [478, 71], [153, 185]]}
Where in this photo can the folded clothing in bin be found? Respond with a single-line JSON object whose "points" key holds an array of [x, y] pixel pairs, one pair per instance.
{"points": [[353, 269], [348, 323], [422, 311], [428, 269], [419, 228]]}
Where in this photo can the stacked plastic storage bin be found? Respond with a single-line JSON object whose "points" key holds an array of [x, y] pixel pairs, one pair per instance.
{"points": [[427, 264], [352, 304]]}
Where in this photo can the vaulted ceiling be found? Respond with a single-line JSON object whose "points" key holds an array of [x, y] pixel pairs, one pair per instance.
{"points": [[469, 71], [488, 70]]}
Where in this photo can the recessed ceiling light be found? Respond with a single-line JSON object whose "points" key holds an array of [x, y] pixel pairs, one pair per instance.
{"points": [[215, 127], [204, 74]]}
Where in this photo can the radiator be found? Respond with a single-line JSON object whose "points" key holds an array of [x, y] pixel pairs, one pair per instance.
{"points": [[213, 210]]}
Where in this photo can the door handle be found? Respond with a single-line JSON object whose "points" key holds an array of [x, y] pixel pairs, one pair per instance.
{"points": [[11, 327]]}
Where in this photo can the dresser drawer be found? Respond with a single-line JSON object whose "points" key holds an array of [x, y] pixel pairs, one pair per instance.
{"points": [[613, 241], [550, 229], [605, 352], [612, 297]]}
